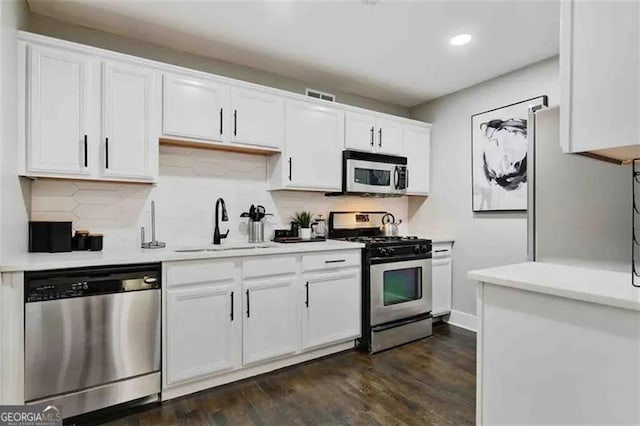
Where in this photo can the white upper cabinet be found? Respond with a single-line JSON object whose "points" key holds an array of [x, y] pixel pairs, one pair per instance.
{"points": [[331, 308], [389, 137], [417, 149], [600, 77], [58, 120], [129, 124], [360, 132], [258, 118], [369, 133], [195, 108], [314, 138]]}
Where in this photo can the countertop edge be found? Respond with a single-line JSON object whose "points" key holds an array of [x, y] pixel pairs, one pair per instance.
{"points": [[533, 285], [43, 261]]}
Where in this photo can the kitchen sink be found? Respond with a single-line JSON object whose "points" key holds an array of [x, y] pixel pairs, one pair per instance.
{"points": [[225, 248]]}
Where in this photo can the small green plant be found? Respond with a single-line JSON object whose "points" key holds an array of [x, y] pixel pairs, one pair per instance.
{"points": [[303, 219]]}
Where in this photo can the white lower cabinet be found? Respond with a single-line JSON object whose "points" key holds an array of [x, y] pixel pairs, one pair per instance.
{"points": [[331, 308], [225, 320], [441, 275], [203, 334], [269, 321]]}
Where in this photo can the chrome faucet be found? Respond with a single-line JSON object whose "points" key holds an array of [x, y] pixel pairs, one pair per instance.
{"points": [[216, 233]]}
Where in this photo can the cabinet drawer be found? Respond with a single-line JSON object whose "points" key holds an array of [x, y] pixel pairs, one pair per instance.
{"points": [[196, 272], [330, 260], [441, 250], [267, 266]]}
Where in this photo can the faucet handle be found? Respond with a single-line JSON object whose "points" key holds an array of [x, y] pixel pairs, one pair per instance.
{"points": [[225, 235]]}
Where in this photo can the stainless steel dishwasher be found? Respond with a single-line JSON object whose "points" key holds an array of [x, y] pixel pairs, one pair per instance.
{"points": [[92, 336]]}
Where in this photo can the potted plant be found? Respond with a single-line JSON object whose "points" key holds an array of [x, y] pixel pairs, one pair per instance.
{"points": [[304, 219]]}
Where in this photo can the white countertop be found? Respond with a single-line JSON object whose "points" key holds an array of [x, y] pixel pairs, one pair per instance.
{"points": [[43, 261], [605, 287], [441, 239]]}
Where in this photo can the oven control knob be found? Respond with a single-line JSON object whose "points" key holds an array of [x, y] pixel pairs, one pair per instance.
{"points": [[417, 248], [390, 251], [425, 248], [382, 251]]}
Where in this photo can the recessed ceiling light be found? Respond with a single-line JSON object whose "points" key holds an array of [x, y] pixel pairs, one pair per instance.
{"points": [[460, 39]]}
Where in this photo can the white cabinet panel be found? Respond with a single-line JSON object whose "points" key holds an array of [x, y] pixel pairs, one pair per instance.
{"points": [[314, 140], [442, 276], [201, 334], [331, 310], [600, 75], [389, 137], [258, 118], [58, 112], [129, 114], [417, 149], [360, 132], [195, 108], [269, 323]]}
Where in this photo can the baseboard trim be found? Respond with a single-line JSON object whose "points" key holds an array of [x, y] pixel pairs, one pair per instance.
{"points": [[462, 320]]}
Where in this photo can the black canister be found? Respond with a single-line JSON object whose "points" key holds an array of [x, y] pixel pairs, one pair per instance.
{"points": [[95, 242]]}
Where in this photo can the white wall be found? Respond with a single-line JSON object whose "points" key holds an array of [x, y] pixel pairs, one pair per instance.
{"points": [[482, 239], [190, 182]]}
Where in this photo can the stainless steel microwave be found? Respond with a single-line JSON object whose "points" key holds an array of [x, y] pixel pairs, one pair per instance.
{"points": [[369, 174]]}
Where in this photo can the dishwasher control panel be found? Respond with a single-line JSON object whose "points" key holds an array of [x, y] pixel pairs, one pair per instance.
{"points": [[83, 282]]}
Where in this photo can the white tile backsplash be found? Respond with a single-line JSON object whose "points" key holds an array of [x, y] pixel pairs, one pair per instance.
{"points": [[190, 182]]}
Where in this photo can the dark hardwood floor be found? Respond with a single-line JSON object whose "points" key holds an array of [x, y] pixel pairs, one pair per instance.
{"points": [[431, 381]]}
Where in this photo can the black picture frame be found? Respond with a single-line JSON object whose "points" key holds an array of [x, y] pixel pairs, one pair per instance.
{"points": [[530, 102]]}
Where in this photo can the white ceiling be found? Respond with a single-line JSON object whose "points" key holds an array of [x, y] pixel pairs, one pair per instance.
{"points": [[395, 51]]}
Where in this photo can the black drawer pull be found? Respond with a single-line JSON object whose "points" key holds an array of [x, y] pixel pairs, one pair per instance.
{"points": [[441, 251], [335, 261]]}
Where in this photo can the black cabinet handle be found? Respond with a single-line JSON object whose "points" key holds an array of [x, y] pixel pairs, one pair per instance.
{"points": [[86, 154], [235, 122], [106, 152], [248, 306], [441, 251], [221, 121], [380, 139], [307, 288], [231, 306], [372, 135], [289, 168], [335, 261]]}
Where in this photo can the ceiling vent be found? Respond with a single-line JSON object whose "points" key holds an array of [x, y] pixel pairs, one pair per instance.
{"points": [[320, 95]]}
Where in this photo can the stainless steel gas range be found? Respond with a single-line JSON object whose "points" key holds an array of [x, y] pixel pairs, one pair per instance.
{"points": [[396, 281]]}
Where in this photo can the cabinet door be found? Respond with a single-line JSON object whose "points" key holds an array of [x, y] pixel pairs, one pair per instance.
{"points": [[314, 140], [201, 336], [600, 75], [389, 137], [269, 324], [194, 108], [441, 272], [331, 308], [417, 149], [58, 112], [257, 118], [129, 133], [360, 132]]}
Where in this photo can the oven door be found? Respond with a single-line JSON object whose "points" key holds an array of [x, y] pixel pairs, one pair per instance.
{"points": [[372, 177], [399, 290]]}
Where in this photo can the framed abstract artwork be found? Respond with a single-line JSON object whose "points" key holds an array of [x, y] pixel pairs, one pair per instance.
{"points": [[499, 157]]}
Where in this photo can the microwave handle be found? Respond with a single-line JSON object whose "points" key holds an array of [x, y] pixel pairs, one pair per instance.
{"points": [[396, 173]]}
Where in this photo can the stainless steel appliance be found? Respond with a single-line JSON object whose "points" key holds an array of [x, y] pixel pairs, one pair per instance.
{"points": [[368, 174], [396, 280], [580, 210], [92, 337]]}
